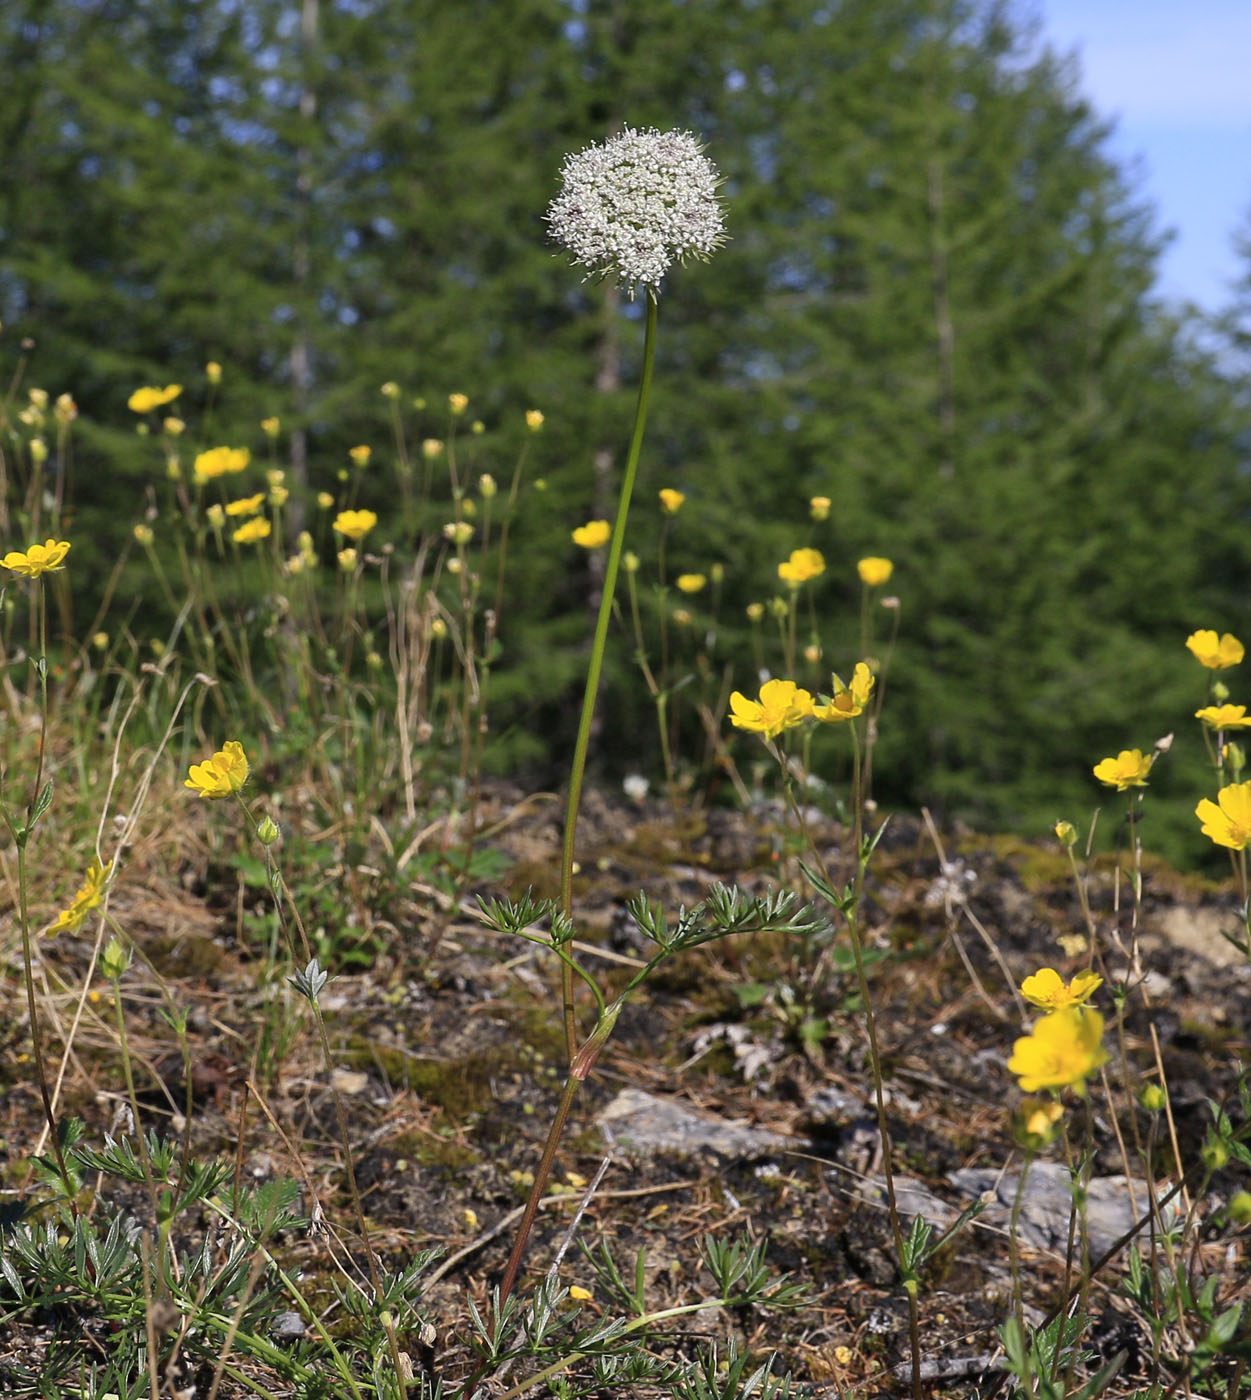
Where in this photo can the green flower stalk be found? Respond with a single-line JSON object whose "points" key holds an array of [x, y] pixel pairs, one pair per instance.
{"points": [[628, 208]]}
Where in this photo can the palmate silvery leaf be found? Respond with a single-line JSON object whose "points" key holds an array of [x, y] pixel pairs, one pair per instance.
{"points": [[637, 203]]}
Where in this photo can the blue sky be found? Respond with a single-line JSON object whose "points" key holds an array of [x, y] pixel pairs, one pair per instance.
{"points": [[1175, 75]]}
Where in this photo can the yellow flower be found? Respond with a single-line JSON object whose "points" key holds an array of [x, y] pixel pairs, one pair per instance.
{"points": [[269, 426], [143, 535], [1063, 1048], [579, 1294], [690, 583], [534, 419], [431, 448], [1128, 769], [593, 535], [247, 505], [361, 455], [1035, 1121], [671, 500], [146, 399], [219, 776], [458, 531], [1046, 988], [782, 705], [325, 500], [1229, 823], [819, 507], [1216, 653], [849, 700], [1224, 716], [219, 461], [252, 531], [874, 571], [801, 566], [354, 524], [89, 896], [46, 558], [458, 403]]}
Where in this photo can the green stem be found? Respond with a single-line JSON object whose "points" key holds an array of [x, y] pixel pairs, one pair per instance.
{"points": [[596, 665]]}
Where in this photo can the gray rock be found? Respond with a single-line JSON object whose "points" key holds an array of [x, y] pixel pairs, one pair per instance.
{"points": [[1044, 1220], [644, 1125]]}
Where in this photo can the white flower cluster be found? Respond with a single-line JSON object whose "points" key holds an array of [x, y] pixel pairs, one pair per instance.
{"points": [[637, 202]]}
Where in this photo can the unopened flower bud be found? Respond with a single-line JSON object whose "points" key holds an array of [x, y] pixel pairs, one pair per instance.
{"points": [[347, 560], [1240, 1208], [630, 562], [755, 611], [390, 390], [1152, 1097], [458, 403], [115, 959], [213, 372], [486, 486], [1066, 833], [267, 831], [38, 451], [143, 535], [534, 419]]}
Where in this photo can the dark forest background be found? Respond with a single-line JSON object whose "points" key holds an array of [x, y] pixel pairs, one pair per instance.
{"points": [[936, 308]]}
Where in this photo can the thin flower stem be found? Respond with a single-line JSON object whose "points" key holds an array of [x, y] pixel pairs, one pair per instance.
{"points": [[596, 665], [542, 1172]]}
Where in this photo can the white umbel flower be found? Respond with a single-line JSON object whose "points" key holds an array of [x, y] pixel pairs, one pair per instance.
{"points": [[636, 203]]}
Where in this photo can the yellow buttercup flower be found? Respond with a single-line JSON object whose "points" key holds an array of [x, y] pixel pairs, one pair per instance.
{"points": [[361, 455], [219, 461], [1064, 1049], [801, 566], [874, 571], [1224, 716], [1216, 653], [248, 505], [252, 531], [1035, 1122], [671, 500], [1128, 769], [534, 419], [848, 700], [1046, 988], [354, 524], [89, 896], [690, 583], [782, 705], [819, 507], [458, 403], [149, 397], [578, 1294], [593, 535], [219, 776], [1227, 821], [46, 558]]}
